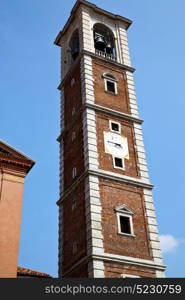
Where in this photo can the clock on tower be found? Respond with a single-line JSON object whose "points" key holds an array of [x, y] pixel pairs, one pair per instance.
{"points": [[107, 221]]}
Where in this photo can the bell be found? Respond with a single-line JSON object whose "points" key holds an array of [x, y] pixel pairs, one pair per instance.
{"points": [[109, 48], [75, 53], [100, 44]]}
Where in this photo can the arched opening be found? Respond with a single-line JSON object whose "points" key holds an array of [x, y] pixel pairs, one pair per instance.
{"points": [[104, 41], [74, 45]]}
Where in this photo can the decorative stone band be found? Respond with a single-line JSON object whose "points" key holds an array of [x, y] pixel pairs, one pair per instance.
{"points": [[111, 62], [87, 80], [93, 210], [132, 261], [98, 108], [140, 150], [125, 56], [132, 94], [115, 113], [86, 29], [92, 196], [122, 178], [108, 175], [96, 263], [152, 227]]}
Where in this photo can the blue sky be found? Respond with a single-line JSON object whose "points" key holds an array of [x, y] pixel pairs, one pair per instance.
{"points": [[29, 78]]}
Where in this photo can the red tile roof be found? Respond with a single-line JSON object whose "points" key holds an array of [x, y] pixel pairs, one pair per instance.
{"points": [[30, 273]]}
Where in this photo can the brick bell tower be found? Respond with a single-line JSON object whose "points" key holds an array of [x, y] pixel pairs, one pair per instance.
{"points": [[107, 222]]}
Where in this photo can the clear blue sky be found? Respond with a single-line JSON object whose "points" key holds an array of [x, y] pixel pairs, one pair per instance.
{"points": [[29, 77]]}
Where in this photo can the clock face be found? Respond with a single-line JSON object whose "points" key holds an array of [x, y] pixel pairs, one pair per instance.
{"points": [[116, 144]]}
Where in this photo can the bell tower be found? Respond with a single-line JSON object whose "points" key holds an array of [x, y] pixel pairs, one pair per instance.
{"points": [[107, 221]]}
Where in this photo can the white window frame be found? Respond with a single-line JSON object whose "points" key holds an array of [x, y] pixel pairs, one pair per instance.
{"points": [[114, 164], [74, 172], [73, 82], [73, 111], [75, 247], [73, 136], [124, 211], [129, 276], [111, 79], [74, 204], [117, 123]]}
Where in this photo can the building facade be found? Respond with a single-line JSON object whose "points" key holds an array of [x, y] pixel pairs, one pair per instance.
{"points": [[14, 166], [107, 221]]}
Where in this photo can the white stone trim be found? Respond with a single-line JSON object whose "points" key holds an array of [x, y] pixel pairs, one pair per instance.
{"points": [[132, 94], [87, 80], [93, 207], [125, 56], [131, 261], [160, 274], [122, 178], [152, 228], [87, 36], [129, 276], [93, 224], [96, 269]]}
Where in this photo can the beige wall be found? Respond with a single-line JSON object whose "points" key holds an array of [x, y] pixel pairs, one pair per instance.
{"points": [[11, 191]]}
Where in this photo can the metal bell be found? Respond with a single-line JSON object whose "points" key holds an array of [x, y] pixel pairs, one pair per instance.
{"points": [[109, 48], [100, 44], [75, 53]]}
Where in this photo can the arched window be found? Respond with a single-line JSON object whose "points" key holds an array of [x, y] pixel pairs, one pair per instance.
{"points": [[104, 41], [74, 45], [110, 83]]}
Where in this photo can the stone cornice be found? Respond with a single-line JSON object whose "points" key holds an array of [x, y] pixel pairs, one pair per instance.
{"points": [[12, 159], [107, 257], [102, 109], [114, 113], [115, 63], [84, 52], [77, 5], [137, 182]]}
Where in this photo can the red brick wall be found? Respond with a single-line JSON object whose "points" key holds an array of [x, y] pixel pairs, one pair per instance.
{"points": [[79, 272], [105, 159], [114, 194], [73, 152], [117, 102], [114, 270], [74, 227], [72, 94]]}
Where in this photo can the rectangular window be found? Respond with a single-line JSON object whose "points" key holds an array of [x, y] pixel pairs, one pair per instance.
{"points": [[118, 163], [125, 224], [74, 205], [111, 87], [74, 173], [115, 126]]}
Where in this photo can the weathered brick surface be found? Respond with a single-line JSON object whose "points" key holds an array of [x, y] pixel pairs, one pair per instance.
{"points": [[117, 102], [72, 94], [79, 271], [74, 227], [73, 152], [114, 270], [105, 159], [114, 194]]}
